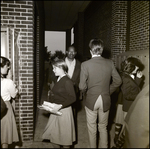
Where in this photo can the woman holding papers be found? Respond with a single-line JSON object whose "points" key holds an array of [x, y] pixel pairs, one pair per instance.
{"points": [[60, 129]]}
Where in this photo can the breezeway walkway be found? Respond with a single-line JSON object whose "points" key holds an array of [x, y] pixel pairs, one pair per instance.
{"points": [[42, 118]]}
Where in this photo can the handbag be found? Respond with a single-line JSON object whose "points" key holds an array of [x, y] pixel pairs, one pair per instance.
{"points": [[3, 108]]}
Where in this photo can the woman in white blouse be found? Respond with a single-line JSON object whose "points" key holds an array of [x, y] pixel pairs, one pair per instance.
{"points": [[9, 133]]}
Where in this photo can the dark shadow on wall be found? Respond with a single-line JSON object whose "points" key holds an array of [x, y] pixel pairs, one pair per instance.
{"points": [[106, 53]]}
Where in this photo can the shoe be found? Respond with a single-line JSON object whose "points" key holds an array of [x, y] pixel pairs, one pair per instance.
{"points": [[45, 140]]}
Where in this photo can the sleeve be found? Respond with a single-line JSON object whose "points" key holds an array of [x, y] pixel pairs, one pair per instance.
{"points": [[83, 78], [116, 80], [129, 89], [12, 89], [78, 74], [71, 97], [139, 81]]}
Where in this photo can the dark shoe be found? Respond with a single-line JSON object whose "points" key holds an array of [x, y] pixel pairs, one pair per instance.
{"points": [[45, 140]]}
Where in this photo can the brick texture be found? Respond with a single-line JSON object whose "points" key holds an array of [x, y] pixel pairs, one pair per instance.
{"points": [[139, 26], [130, 26], [19, 15], [97, 24], [119, 27], [107, 20], [122, 25]]}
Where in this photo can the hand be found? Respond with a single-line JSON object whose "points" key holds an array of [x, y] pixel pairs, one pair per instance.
{"points": [[82, 94], [49, 92], [80, 97], [56, 108], [139, 74], [9, 75]]}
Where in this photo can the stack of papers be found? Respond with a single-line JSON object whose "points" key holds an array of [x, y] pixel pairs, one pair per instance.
{"points": [[48, 106]]}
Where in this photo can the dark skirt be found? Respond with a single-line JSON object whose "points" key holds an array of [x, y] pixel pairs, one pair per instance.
{"points": [[9, 133]]}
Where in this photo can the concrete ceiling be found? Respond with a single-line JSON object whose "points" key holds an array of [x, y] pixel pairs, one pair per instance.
{"points": [[61, 15]]}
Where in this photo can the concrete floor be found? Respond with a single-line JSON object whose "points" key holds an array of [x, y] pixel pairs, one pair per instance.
{"points": [[82, 135]]}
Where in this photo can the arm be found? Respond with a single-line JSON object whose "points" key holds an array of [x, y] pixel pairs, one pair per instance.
{"points": [[71, 97], [129, 89], [78, 69], [83, 79], [139, 79], [116, 80], [76, 80], [12, 89], [76, 76]]}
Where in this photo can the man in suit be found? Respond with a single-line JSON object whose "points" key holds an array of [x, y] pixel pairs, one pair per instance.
{"points": [[99, 79], [74, 67]]}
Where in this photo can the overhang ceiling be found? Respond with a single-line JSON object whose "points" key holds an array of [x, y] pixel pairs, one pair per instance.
{"points": [[61, 15]]}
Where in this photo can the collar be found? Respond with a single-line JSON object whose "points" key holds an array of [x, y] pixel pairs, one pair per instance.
{"points": [[96, 56], [132, 76], [70, 62], [60, 77]]}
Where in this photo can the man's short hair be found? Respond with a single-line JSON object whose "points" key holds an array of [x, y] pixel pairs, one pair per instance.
{"points": [[72, 47], [96, 45]]}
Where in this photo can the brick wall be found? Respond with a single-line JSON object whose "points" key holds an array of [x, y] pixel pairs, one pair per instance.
{"points": [[122, 25], [139, 25], [97, 24], [130, 26], [20, 16], [119, 27]]}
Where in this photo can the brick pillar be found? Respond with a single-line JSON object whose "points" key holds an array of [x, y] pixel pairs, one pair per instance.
{"points": [[19, 15], [139, 26], [118, 27]]}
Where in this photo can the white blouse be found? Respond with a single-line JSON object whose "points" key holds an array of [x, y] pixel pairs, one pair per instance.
{"points": [[71, 66], [8, 89]]}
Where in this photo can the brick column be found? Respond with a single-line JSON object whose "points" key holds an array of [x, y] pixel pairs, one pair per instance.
{"points": [[19, 15], [118, 27], [139, 26]]}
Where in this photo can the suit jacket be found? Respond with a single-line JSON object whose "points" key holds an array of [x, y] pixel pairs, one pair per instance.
{"points": [[130, 89], [76, 75], [95, 76]]}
